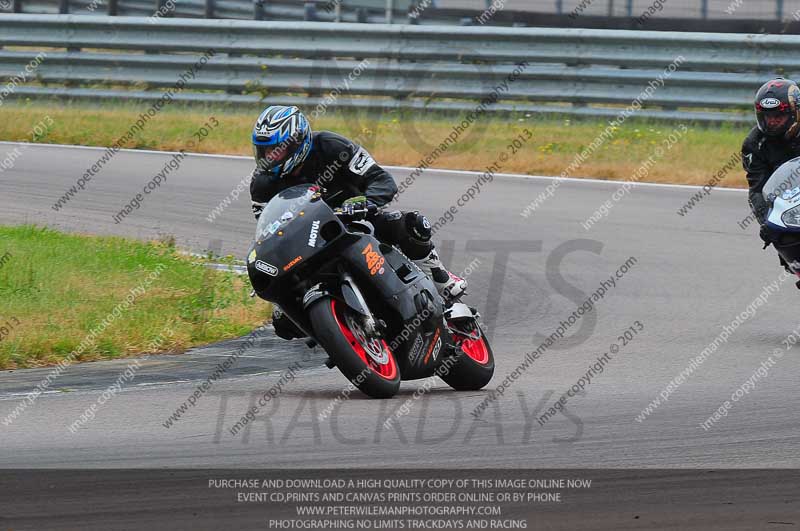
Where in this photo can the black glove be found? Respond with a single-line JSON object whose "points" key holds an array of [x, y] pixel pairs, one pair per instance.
{"points": [[768, 235]]}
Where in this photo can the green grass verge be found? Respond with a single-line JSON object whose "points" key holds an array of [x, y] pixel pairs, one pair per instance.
{"points": [[398, 138], [58, 289]]}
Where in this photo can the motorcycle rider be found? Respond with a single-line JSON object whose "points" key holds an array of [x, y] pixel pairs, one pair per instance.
{"points": [[288, 153], [773, 141]]}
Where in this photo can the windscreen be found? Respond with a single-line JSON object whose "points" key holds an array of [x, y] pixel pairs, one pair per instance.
{"points": [[784, 182], [282, 209]]}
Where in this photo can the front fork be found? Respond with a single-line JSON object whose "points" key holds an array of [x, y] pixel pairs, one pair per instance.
{"points": [[354, 299], [463, 321]]}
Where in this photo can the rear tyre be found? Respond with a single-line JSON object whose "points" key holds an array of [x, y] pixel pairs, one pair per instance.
{"points": [[474, 365], [366, 361]]}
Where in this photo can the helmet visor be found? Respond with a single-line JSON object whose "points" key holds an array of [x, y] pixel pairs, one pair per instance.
{"points": [[269, 157], [776, 119], [776, 123]]}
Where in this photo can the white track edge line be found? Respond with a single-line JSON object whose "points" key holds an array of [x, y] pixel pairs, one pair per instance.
{"points": [[457, 172]]}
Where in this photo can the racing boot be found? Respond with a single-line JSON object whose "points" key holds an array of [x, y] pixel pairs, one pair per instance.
{"points": [[450, 286]]}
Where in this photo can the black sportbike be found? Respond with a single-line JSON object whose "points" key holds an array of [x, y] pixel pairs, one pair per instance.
{"points": [[376, 314]]}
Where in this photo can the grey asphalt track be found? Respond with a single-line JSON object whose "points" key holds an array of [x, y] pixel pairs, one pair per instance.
{"points": [[693, 275]]}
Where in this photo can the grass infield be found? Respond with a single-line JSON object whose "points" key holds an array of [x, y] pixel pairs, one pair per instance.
{"points": [[404, 139], [110, 297]]}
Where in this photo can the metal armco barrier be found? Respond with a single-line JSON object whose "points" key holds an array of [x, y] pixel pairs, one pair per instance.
{"points": [[566, 71], [375, 11]]}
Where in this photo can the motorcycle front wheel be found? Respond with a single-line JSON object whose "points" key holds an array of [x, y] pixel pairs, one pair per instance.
{"points": [[365, 360]]}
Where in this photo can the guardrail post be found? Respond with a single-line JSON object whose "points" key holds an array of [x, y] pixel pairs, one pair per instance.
{"points": [[560, 7], [258, 10], [161, 11], [209, 9], [779, 9], [704, 9], [362, 15], [389, 11], [610, 8], [337, 13], [63, 7], [113, 8], [16, 6], [310, 12], [629, 8]]}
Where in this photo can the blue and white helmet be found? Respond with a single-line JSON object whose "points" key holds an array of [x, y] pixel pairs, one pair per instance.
{"points": [[281, 140]]}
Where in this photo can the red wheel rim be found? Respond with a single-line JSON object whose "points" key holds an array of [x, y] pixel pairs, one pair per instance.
{"points": [[476, 349], [386, 370]]}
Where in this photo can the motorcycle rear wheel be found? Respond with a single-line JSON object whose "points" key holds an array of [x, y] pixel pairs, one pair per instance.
{"points": [[474, 365], [366, 361]]}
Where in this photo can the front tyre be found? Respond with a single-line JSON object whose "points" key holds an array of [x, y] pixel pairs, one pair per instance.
{"points": [[474, 361], [366, 361]]}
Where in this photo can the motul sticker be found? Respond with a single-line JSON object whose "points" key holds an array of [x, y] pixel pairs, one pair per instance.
{"points": [[312, 236]]}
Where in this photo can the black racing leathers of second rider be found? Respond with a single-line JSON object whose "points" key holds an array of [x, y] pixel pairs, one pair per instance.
{"points": [[772, 142], [762, 155]]}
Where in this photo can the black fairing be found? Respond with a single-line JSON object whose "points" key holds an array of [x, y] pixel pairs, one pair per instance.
{"points": [[283, 267]]}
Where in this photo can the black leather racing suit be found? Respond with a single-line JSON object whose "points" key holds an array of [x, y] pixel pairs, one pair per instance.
{"points": [[761, 155], [344, 169]]}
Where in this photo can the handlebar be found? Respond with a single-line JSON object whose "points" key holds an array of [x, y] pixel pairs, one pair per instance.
{"points": [[371, 209]]}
